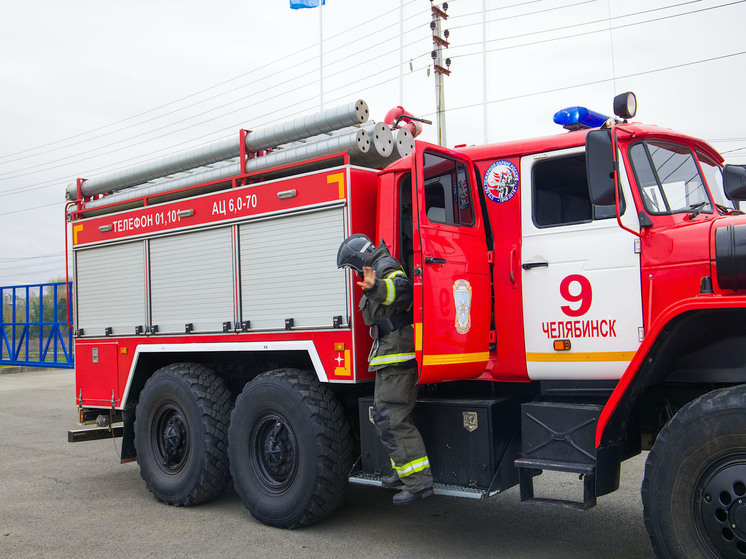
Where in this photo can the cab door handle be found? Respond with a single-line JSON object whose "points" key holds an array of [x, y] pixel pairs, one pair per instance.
{"points": [[434, 260], [531, 265]]}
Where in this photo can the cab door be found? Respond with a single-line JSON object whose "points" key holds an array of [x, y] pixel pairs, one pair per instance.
{"points": [[582, 301], [452, 302]]}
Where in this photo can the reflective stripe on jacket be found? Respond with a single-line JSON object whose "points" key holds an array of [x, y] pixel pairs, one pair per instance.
{"points": [[391, 294]]}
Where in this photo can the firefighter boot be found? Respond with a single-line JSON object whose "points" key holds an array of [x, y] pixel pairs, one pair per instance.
{"points": [[392, 481], [405, 497]]}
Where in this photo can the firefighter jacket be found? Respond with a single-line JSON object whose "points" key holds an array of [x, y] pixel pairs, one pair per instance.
{"points": [[387, 308]]}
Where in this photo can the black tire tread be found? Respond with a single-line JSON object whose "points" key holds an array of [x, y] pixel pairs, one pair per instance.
{"points": [[332, 432], [214, 400], [723, 400]]}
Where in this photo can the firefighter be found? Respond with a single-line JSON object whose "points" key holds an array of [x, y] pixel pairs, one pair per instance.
{"points": [[386, 307]]}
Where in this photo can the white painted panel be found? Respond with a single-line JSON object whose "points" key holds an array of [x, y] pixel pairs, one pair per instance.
{"points": [[289, 270], [191, 277], [110, 288], [584, 288]]}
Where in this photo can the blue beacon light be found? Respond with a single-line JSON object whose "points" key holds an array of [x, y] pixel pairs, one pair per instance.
{"points": [[577, 118]]}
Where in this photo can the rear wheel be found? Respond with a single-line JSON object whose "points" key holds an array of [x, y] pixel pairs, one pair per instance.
{"points": [[181, 436], [694, 490], [289, 449]]}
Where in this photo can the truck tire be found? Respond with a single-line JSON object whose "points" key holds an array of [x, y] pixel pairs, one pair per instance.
{"points": [[694, 489], [181, 434], [289, 448]]}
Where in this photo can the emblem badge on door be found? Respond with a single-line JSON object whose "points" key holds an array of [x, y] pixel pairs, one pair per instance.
{"points": [[462, 301], [501, 181]]}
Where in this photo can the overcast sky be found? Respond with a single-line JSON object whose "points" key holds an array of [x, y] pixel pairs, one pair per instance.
{"points": [[90, 86]]}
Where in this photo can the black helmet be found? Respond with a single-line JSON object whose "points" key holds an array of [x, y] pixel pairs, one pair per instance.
{"points": [[353, 251]]}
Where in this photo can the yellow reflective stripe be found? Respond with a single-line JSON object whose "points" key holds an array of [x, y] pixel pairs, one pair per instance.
{"points": [[390, 292], [411, 467], [392, 358], [455, 358], [390, 289], [580, 357]]}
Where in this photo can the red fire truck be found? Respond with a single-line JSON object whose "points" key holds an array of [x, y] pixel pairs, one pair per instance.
{"points": [[577, 299]]}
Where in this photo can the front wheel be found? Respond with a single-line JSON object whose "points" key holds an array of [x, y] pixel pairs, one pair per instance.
{"points": [[181, 432], [289, 448], [694, 490]]}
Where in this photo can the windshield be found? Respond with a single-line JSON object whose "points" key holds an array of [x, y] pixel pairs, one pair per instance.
{"points": [[668, 178]]}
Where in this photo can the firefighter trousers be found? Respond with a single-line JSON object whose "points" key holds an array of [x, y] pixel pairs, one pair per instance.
{"points": [[393, 402]]}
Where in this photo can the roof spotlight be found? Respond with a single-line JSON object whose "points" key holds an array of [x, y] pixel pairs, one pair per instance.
{"points": [[625, 105]]}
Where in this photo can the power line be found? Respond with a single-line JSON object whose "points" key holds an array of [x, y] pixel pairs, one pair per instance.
{"points": [[605, 80], [583, 24], [545, 10], [18, 173], [32, 170], [191, 95], [533, 43], [67, 161], [460, 16], [12, 259], [55, 181], [378, 81], [22, 210], [141, 114]]}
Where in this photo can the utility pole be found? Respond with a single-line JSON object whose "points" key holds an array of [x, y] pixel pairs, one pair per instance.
{"points": [[321, 57], [441, 69]]}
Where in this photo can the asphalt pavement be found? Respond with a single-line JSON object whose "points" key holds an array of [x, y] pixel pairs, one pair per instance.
{"points": [[60, 500]]}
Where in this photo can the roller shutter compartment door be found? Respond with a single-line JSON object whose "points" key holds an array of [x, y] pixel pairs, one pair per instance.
{"points": [[289, 270], [110, 288], [191, 281]]}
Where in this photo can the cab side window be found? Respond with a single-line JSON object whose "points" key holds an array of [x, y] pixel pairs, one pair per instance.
{"points": [[447, 192], [560, 193]]}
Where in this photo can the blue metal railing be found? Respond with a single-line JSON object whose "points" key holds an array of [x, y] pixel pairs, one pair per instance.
{"points": [[35, 330]]}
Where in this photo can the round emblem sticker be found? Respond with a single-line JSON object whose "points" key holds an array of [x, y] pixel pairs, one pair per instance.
{"points": [[501, 181]]}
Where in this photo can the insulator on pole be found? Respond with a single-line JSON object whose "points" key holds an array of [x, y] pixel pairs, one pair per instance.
{"points": [[320, 123]]}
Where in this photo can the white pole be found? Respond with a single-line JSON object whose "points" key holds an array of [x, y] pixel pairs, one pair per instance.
{"points": [[484, 71], [321, 58], [440, 101], [611, 44], [401, 51]]}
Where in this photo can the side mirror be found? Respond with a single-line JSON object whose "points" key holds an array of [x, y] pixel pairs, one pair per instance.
{"points": [[734, 182], [600, 167]]}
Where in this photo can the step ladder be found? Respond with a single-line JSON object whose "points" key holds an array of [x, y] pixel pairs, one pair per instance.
{"points": [[438, 488], [558, 436]]}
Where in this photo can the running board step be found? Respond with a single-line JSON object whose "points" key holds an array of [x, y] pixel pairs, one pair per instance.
{"points": [[438, 488], [95, 434], [530, 468]]}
